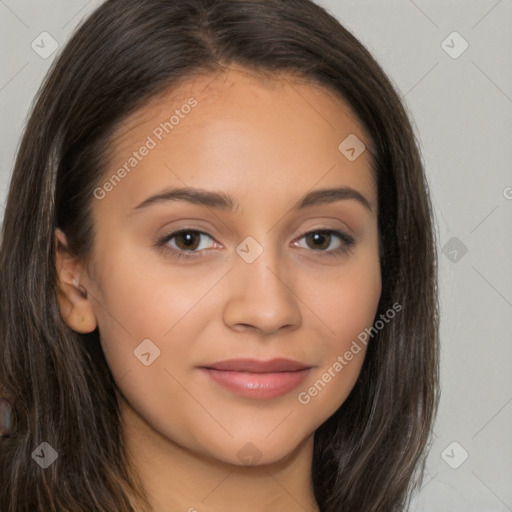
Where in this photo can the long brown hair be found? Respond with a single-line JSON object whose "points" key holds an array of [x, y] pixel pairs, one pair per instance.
{"points": [[369, 456]]}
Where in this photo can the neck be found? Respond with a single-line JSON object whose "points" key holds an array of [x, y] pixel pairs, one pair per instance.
{"points": [[177, 479]]}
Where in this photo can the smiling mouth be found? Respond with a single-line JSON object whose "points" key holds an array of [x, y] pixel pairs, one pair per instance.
{"points": [[258, 379]]}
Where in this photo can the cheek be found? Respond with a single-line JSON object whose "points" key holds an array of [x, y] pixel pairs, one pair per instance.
{"points": [[352, 305], [146, 323], [144, 300], [346, 304], [346, 299]]}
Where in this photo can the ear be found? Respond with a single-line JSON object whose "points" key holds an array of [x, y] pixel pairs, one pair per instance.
{"points": [[74, 301]]}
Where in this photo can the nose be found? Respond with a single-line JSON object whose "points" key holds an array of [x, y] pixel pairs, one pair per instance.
{"points": [[261, 296]]}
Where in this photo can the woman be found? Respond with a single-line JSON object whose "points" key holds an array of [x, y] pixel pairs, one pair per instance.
{"points": [[258, 371]]}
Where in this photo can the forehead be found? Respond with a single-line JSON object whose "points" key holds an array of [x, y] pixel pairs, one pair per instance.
{"points": [[237, 88], [244, 121]]}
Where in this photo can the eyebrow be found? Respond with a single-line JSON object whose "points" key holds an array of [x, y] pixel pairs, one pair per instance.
{"points": [[222, 201]]}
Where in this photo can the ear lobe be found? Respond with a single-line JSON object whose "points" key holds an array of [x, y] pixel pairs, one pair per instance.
{"points": [[74, 303]]}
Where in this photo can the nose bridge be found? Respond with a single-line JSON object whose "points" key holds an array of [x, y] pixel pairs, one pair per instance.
{"points": [[260, 265], [262, 295]]}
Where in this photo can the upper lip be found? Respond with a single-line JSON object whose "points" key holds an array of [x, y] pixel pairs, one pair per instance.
{"points": [[258, 366]]}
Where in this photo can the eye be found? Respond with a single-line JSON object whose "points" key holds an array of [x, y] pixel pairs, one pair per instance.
{"points": [[321, 239], [187, 242]]}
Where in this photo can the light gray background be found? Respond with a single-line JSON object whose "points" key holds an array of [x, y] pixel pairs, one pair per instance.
{"points": [[462, 112]]}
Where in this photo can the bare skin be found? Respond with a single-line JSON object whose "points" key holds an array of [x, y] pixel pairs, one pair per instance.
{"points": [[195, 444]]}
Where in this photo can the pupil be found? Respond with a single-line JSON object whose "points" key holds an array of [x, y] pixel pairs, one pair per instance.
{"points": [[319, 237], [189, 239]]}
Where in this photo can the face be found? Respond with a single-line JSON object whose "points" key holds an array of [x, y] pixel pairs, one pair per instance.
{"points": [[251, 262]]}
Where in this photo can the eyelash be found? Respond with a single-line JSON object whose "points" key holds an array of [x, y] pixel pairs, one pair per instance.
{"points": [[348, 243]]}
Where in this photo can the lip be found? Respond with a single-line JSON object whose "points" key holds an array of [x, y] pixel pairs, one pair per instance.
{"points": [[258, 366], [258, 379]]}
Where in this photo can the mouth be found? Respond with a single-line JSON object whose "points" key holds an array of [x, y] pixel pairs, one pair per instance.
{"points": [[258, 379]]}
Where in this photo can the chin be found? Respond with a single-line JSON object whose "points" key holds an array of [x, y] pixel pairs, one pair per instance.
{"points": [[257, 450]]}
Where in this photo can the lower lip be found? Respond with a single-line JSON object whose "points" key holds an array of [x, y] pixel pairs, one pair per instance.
{"points": [[257, 385]]}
